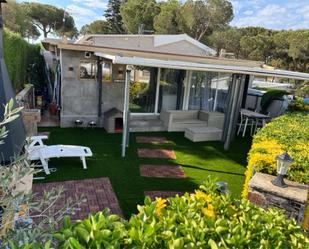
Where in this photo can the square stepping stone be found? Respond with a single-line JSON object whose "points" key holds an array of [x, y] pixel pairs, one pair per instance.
{"points": [[156, 153], [163, 171], [162, 194], [98, 192], [151, 140]]}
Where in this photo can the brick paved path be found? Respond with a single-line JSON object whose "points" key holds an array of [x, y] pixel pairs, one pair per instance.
{"points": [[151, 140], [156, 153], [98, 192], [162, 194], [165, 171]]}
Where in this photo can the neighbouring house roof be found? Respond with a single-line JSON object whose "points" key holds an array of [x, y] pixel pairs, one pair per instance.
{"points": [[176, 44], [168, 55]]}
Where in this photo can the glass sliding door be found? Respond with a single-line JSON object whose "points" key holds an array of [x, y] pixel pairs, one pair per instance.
{"points": [[171, 89], [208, 91], [201, 91], [143, 90], [222, 83]]}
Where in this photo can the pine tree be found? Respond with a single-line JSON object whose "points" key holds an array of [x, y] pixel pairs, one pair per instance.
{"points": [[113, 17]]}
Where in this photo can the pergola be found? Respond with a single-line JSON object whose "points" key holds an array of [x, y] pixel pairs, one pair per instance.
{"points": [[240, 80]]}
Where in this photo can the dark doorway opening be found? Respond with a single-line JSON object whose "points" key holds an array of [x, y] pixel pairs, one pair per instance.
{"points": [[118, 125]]}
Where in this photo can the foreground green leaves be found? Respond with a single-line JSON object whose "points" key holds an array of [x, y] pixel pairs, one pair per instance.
{"points": [[205, 219]]}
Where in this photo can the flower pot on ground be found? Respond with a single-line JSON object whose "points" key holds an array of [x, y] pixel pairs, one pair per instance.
{"points": [[53, 109]]}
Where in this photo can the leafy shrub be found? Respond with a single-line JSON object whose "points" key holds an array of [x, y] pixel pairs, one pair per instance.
{"points": [[269, 96], [290, 133], [23, 60], [298, 105], [205, 219]]}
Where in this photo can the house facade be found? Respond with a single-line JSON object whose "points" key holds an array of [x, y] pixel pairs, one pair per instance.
{"points": [[167, 73], [152, 89]]}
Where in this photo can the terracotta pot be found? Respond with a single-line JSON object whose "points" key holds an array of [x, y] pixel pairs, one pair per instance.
{"points": [[53, 109]]}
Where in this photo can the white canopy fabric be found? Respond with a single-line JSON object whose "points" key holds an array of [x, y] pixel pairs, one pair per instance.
{"points": [[185, 65]]}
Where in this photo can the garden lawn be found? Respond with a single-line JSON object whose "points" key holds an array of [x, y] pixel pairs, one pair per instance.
{"points": [[197, 159]]}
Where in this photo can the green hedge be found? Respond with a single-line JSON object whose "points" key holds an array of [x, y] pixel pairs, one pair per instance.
{"points": [[23, 60], [289, 132], [298, 105]]}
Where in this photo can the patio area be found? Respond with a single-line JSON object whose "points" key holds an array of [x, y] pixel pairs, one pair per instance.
{"points": [[179, 165]]}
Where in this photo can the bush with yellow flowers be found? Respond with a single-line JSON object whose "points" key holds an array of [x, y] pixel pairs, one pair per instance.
{"points": [[204, 219], [290, 133]]}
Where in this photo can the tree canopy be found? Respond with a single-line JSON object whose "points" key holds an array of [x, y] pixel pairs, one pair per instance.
{"points": [[200, 17], [167, 21], [282, 49], [136, 12], [48, 18], [17, 20], [113, 17], [96, 27]]}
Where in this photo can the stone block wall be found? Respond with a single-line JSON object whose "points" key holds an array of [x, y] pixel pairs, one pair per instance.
{"points": [[292, 199], [31, 117]]}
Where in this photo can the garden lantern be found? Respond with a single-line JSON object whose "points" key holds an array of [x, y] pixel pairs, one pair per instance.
{"points": [[222, 187], [283, 162]]}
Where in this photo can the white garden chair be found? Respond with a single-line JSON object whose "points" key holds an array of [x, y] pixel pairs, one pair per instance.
{"points": [[37, 150]]}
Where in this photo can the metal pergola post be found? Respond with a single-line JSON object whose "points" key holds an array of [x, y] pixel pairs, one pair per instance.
{"points": [[125, 130]]}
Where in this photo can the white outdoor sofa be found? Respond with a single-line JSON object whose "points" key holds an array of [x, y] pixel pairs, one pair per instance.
{"points": [[197, 125]]}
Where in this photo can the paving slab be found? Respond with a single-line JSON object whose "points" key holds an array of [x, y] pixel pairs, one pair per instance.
{"points": [[151, 140], [98, 192], [162, 171], [156, 153]]}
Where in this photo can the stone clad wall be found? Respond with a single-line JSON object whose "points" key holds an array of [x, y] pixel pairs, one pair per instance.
{"points": [[291, 199]]}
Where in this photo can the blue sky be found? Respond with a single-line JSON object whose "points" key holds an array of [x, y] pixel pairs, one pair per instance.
{"points": [[275, 14]]}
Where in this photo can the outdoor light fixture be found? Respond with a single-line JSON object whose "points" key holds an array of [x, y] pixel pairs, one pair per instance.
{"points": [[222, 187], [283, 162]]}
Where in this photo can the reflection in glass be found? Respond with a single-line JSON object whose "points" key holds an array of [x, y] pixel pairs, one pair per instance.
{"points": [[143, 90], [208, 91], [171, 89], [107, 71], [87, 69]]}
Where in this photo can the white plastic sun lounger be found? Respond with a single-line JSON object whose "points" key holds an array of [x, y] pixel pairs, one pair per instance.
{"points": [[36, 150]]}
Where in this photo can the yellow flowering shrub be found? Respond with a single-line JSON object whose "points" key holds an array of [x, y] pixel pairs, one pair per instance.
{"points": [[204, 219], [290, 133], [160, 204]]}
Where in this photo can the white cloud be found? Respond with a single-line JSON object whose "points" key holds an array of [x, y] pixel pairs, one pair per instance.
{"points": [[248, 12], [274, 16], [82, 15], [97, 4]]}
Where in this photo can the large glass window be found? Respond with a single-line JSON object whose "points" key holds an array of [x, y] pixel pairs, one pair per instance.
{"points": [[171, 89], [208, 91], [143, 90]]}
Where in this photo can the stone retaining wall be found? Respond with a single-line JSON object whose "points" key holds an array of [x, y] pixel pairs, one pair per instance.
{"points": [[292, 199]]}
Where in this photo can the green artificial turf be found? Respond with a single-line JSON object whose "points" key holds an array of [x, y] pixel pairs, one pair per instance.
{"points": [[197, 159]]}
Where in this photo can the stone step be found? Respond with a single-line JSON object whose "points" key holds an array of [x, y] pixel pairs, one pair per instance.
{"points": [[156, 153], [162, 171], [151, 140]]}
